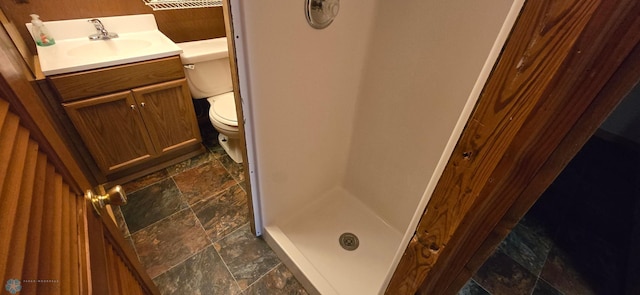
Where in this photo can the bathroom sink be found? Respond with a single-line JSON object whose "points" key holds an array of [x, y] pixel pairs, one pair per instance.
{"points": [[108, 47], [138, 40]]}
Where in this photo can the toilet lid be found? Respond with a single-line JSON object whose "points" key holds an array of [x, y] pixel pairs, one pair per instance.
{"points": [[223, 109]]}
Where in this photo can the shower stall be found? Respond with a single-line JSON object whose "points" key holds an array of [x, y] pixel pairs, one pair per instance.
{"points": [[349, 127]]}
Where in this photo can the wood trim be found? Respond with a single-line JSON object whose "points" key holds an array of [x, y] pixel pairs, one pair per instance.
{"points": [[625, 78], [161, 162], [559, 56], [238, 98], [589, 99]]}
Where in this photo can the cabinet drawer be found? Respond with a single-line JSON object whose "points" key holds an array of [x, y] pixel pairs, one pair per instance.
{"points": [[106, 80]]}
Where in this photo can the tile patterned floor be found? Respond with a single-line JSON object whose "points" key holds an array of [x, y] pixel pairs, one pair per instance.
{"points": [[189, 225], [575, 239]]}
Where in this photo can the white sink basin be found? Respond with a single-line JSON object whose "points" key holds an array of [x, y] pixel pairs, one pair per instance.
{"points": [[111, 47], [139, 40]]}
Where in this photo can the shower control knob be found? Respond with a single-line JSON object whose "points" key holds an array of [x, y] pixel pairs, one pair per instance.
{"points": [[320, 13]]}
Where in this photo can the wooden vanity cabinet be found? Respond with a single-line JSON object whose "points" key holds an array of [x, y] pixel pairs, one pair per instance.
{"points": [[133, 127]]}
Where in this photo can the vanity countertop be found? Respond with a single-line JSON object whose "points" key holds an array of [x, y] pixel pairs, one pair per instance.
{"points": [[138, 40]]}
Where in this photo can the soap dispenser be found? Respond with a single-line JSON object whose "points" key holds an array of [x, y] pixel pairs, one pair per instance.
{"points": [[41, 34]]}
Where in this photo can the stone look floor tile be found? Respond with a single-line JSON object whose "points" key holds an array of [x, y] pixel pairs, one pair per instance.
{"points": [[279, 281], [151, 204], [472, 288], [144, 181], [203, 181], [217, 150], [176, 249], [501, 275], [169, 241], [247, 256], [236, 170], [190, 163], [223, 213], [202, 273], [527, 247]]}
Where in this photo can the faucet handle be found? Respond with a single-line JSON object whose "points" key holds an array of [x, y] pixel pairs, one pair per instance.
{"points": [[97, 23], [102, 33]]}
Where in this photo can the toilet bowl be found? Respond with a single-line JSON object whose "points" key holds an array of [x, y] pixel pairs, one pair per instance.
{"points": [[208, 73], [223, 116]]}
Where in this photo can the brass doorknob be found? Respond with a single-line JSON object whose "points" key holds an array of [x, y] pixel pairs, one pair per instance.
{"points": [[115, 197]]}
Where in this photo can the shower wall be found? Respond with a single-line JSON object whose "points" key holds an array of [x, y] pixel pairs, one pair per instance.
{"points": [[368, 103], [423, 61], [303, 87], [360, 117]]}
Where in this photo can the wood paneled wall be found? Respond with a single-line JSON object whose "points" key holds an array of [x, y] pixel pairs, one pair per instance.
{"points": [[179, 25], [565, 66]]}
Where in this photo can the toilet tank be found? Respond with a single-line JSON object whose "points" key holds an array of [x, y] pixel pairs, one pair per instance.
{"points": [[207, 67]]}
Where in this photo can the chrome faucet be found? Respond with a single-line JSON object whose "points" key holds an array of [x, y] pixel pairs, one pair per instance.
{"points": [[102, 33]]}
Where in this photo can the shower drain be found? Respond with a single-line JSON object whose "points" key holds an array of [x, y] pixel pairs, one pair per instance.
{"points": [[349, 241]]}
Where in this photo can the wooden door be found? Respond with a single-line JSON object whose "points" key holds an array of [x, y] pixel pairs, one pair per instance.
{"points": [[52, 240], [168, 114], [112, 129]]}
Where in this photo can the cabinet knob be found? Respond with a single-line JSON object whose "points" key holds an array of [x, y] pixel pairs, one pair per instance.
{"points": [[142, 104], [133, 106]]}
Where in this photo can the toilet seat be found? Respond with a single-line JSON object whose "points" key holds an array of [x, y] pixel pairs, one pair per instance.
{"points": [[223, 109]]}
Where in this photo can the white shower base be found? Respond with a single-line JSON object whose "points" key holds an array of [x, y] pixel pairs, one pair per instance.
{"points": [[308, 244]]}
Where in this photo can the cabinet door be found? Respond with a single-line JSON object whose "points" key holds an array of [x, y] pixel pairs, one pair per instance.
{"points": [[168, 113], [112, 129]]}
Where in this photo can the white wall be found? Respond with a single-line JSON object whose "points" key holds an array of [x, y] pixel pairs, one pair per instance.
{"points": [[424, 59], [304, 84]]}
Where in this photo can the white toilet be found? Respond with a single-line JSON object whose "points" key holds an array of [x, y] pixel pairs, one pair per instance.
{"points": [[209, 76]]}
